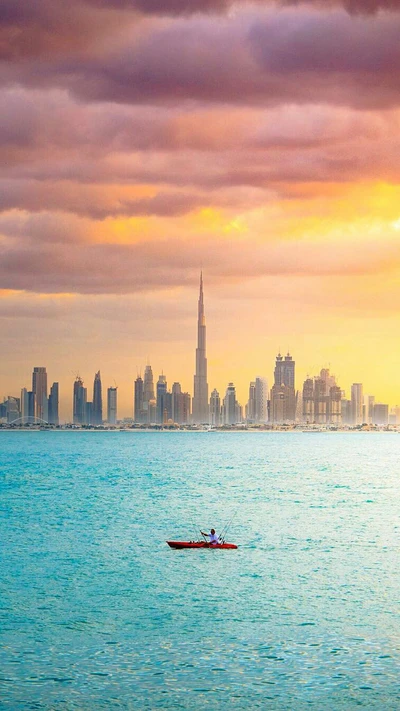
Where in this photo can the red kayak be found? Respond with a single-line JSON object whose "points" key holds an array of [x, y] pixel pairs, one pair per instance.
{"points": [[178, 545]]}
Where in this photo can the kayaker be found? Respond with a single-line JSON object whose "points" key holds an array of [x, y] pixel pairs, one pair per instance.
{"points": [[214, 540]]}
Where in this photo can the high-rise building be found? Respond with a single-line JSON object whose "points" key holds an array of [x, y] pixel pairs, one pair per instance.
{"points": [[88, 414], [322, 400], [148, 396], [380, 414], [257, 406], [369, 402], [161, 398], [180, 405], [230, 406], [200, 396], [187, 410], [346, 410], [97, 400], [112, 406], [138, 400], [251, 404], [168, 407], [79, 402], [261, 400], [27, 406], [215, 408], [335, 405], [13, 409], [152, 412], [53, 405], [39, 387], [357, 404], [177, 403], [284, 371], [308, 400], [283, 395]]}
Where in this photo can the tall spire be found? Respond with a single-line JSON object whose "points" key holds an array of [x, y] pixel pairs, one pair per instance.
{"points": [[200, 397]]}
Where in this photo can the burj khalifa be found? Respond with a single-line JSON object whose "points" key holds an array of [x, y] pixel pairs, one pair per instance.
{"points": [[200, 397]]}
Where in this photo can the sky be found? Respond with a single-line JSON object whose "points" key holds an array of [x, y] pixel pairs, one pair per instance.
{"points": [[145, 140]]}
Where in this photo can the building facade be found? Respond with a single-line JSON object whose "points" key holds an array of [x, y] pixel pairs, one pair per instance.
{"points": [[200, 392], [283, 394], [79, 402], [39, 387], [97, 400], [112, 405], [53, 415]]}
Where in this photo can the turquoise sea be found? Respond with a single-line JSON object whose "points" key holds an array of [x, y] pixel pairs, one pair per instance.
{"points": [[98, 613]]}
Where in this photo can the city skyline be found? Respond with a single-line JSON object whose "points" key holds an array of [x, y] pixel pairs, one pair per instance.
{"points": [[321, 400]]}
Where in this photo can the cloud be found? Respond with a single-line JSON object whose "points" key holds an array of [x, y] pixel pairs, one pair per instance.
{"points": [[266, 58], [73, 265]]}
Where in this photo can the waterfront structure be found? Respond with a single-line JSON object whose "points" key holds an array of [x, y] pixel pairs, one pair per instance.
{"points": [[79, 402], [200, 393], [138, 400], [357, 404], [53, 401], [161, 392], [97, 400], [283, 395], [39, 387], [112, 405]]}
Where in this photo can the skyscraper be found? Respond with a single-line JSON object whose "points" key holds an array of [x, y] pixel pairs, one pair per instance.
{"points": [[53, 405], [138, 400], [148, 396], [112, 406], [27, 406], [79, 403], [215, 408], [261, 400], [97, 400], [200, 396], [283, 395], [230, 406], [39, 387], [357, 404], [251, 405], [161, 398], [322, 400]]}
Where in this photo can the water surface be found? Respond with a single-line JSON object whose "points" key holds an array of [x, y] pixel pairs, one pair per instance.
{"points": [[98, 613]]}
